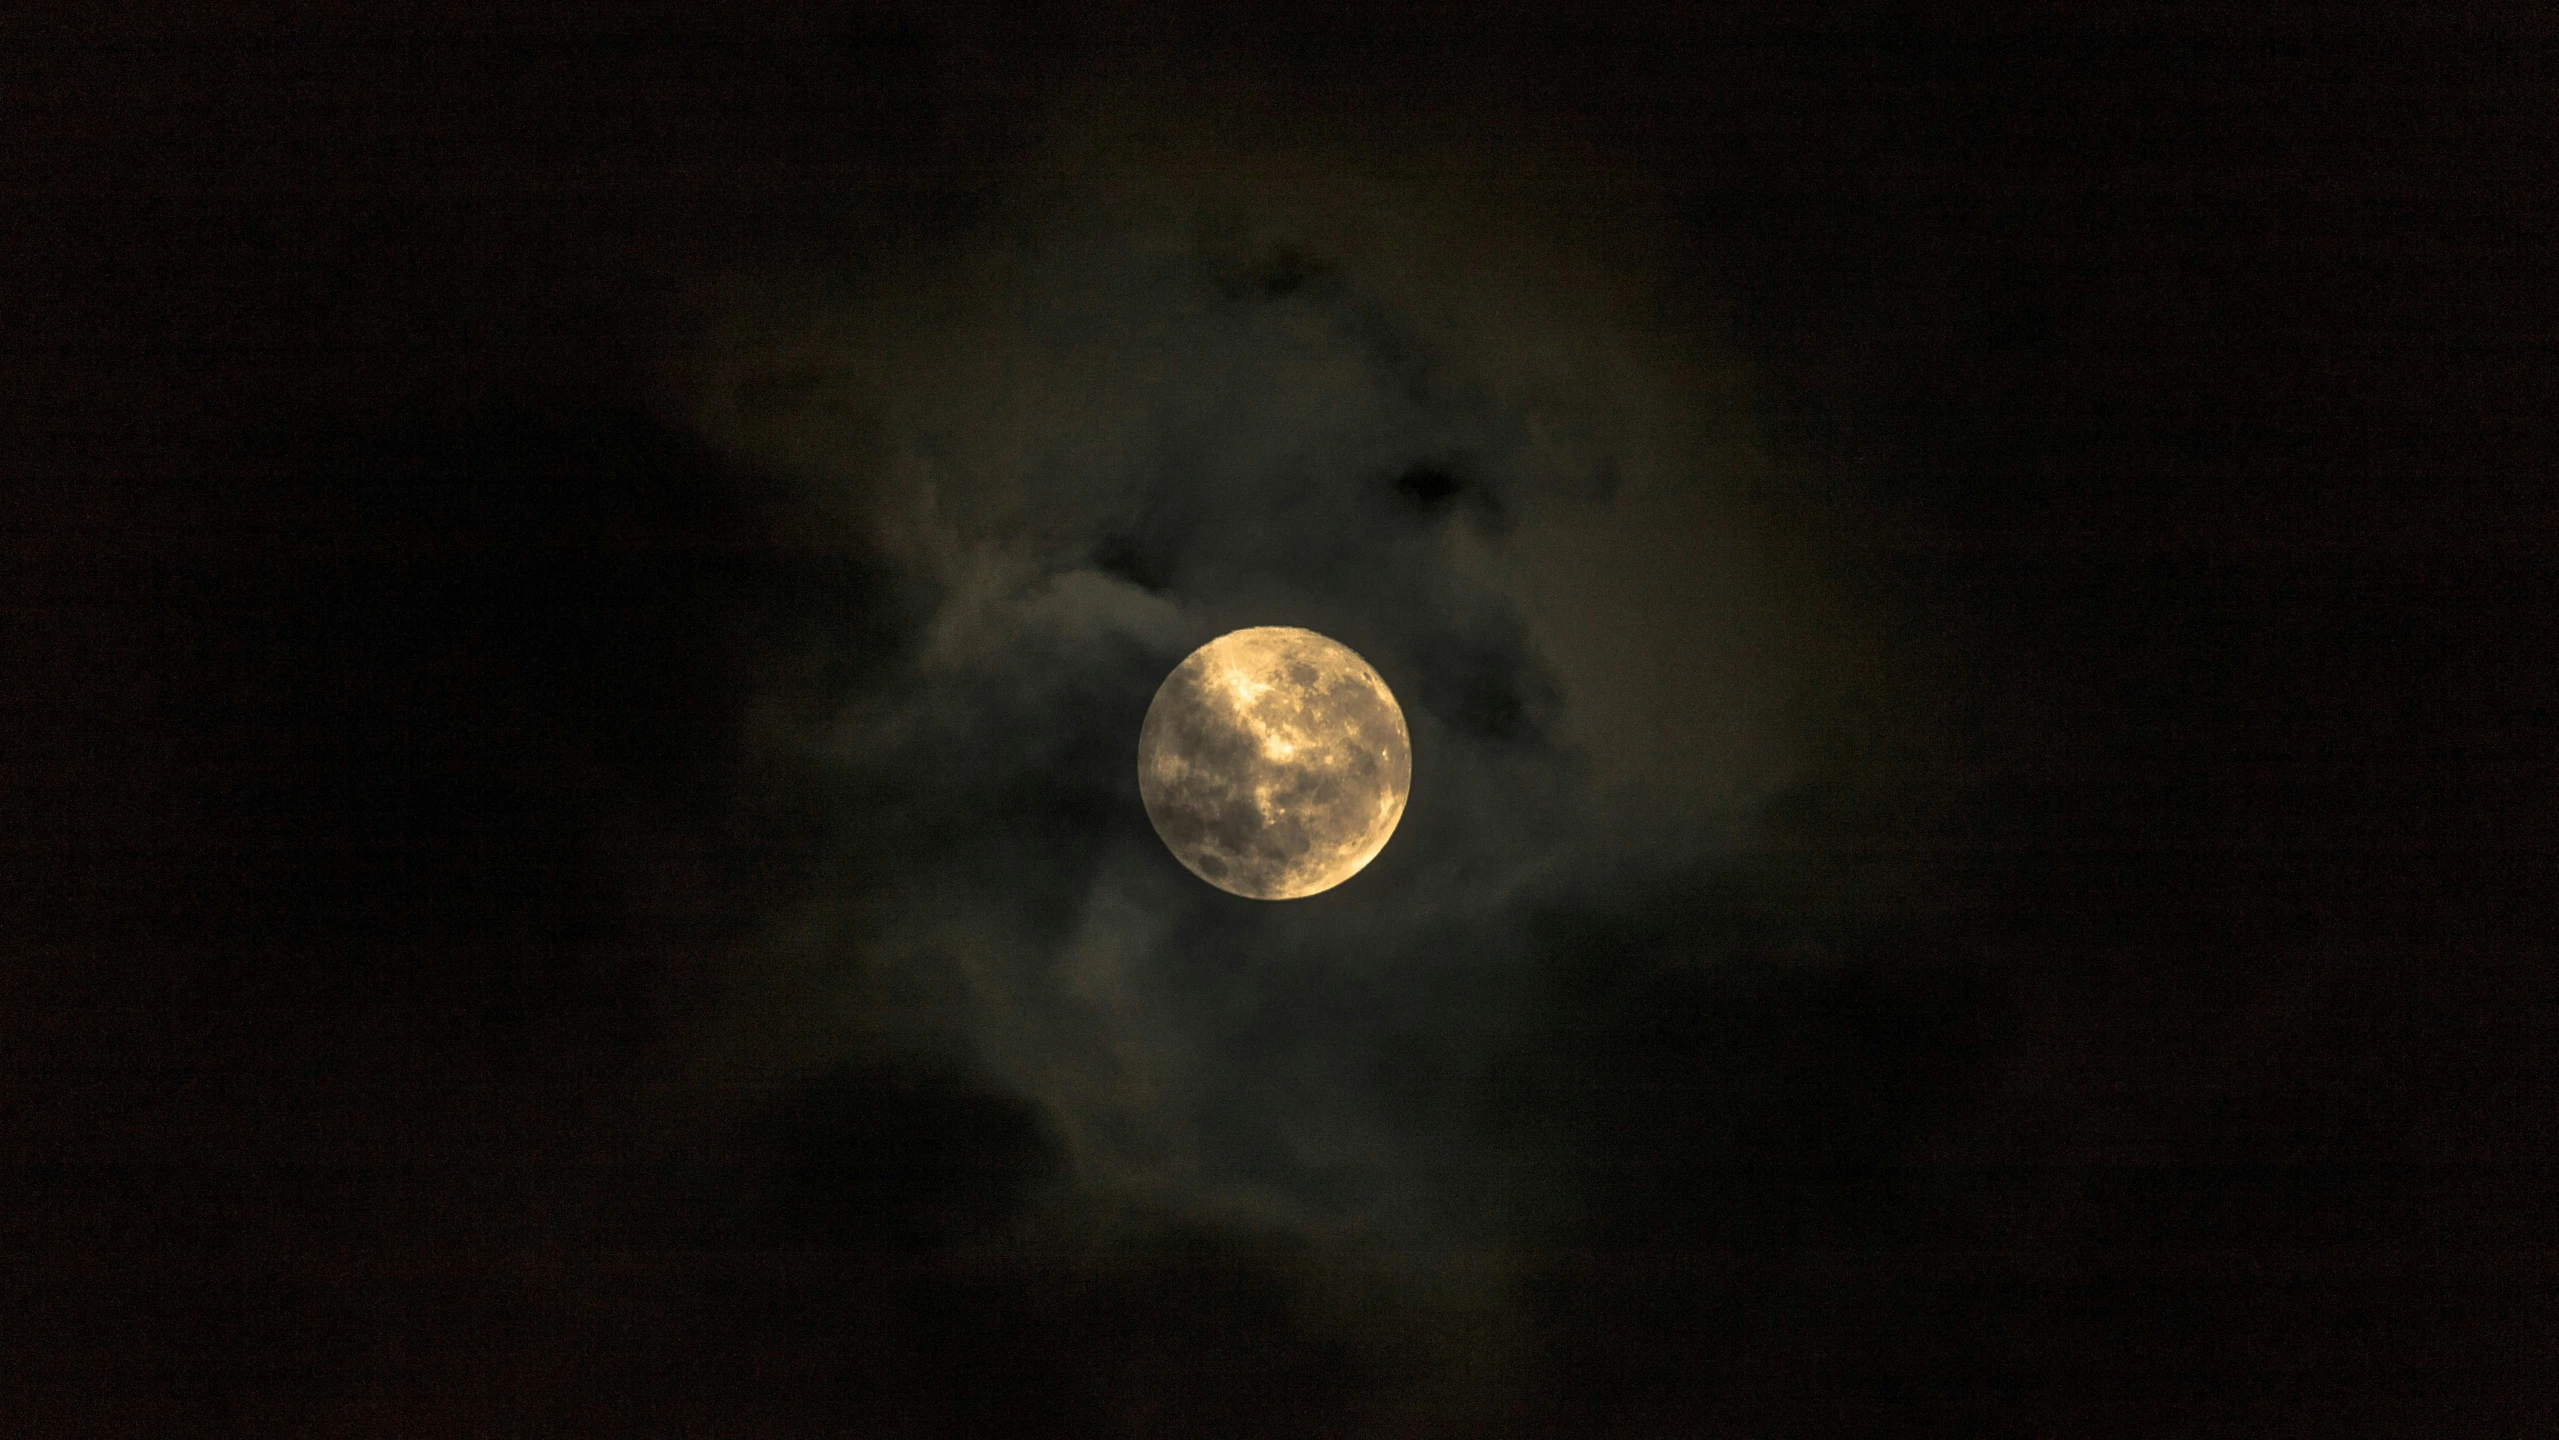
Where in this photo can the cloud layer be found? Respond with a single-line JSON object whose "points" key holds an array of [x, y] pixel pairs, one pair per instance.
{"points": [[1168, 387]]}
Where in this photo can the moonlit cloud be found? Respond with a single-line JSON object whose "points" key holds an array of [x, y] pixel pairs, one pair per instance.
{"points": [[1173, 387]]}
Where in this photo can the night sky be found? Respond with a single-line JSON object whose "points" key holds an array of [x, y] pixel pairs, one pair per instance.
{"points": [[1977, 598]]}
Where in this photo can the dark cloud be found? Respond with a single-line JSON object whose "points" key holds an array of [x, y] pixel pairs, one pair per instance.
{"points": [[1180, 387]]}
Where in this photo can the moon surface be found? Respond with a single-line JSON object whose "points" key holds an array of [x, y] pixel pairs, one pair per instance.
{"points": [[1274, 762]]}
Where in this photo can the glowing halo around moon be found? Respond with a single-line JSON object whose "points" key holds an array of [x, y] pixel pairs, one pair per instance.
{"points": [[1274, 762]]}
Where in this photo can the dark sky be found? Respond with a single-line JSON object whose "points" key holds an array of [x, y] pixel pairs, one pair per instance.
{"points": [[1974, 596]]}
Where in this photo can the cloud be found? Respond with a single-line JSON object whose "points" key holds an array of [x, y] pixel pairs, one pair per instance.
{"points": [[1177, 385]]}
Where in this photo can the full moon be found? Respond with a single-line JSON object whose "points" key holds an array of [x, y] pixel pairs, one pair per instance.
{"points": [[1274, 762]]}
